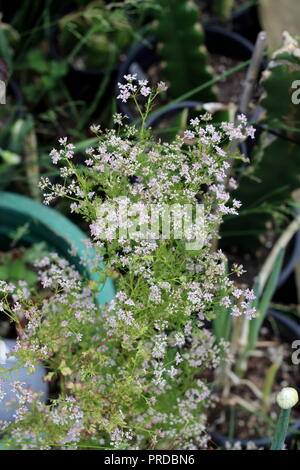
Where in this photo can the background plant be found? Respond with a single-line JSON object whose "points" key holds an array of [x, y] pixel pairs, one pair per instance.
{"points": [[181, 47], [266, 185], [243, 334], [95, 36], [223, 8]]}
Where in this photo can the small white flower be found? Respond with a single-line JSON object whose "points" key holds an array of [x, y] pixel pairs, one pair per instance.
{"points": [[95, 128], [162, 86], [145, 90], [189, 135], [63, 140], [287, 398]]}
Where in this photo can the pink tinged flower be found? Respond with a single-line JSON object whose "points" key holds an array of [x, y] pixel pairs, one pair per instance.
{"points": [[55, 156], [63, 140], [236, 312], [143, 82], [251, 132], [195, 122], [236, 203], [220, 151], [225, 302], [178, 359], [197, 166], [237, 293], [69, 154], [145, 91], [172, 372], [189, 135], [124, 95], [242, 118], [162, 86], [130, 77], [250, 313], [179, 339], [249, 294], [232, 183]]}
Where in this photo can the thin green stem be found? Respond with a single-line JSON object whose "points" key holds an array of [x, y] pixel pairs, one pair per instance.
{"points": [[281, 430]]}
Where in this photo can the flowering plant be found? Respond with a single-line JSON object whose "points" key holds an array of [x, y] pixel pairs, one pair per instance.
{"points": [[133, 373]]}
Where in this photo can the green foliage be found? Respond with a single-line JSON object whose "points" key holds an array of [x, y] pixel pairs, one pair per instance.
{"points": [[91, 37], [263, 300], [267, 185], [223, 8], [181, 48], [45, 73], [12, 134], [16, 265], [8, 37]]}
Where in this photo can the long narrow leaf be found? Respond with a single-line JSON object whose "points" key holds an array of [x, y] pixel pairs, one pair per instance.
{"points": [[264, 302], [222, 324]]}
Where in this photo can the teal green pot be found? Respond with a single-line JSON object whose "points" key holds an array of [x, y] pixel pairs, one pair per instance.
{"points": [[60, 235], [49, 226]]}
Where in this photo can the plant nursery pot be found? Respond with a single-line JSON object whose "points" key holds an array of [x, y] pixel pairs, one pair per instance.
{"points": [[286, 290], [289, 331], [245, 21], [218, 41], [47, 225], [62, 236], [292, 261], [173, 109], [13, 87]]}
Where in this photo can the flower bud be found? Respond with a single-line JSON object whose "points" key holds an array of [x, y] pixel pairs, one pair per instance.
{"points": [[287, 398]]}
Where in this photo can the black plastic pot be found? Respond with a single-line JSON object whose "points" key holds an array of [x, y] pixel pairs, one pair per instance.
{"points": [[13, 87], [47, 225], [245, 21], [286, 291], [218, 41], [82, 84], [292, 262], [289, 331], [61, 236], [173, 109]]}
